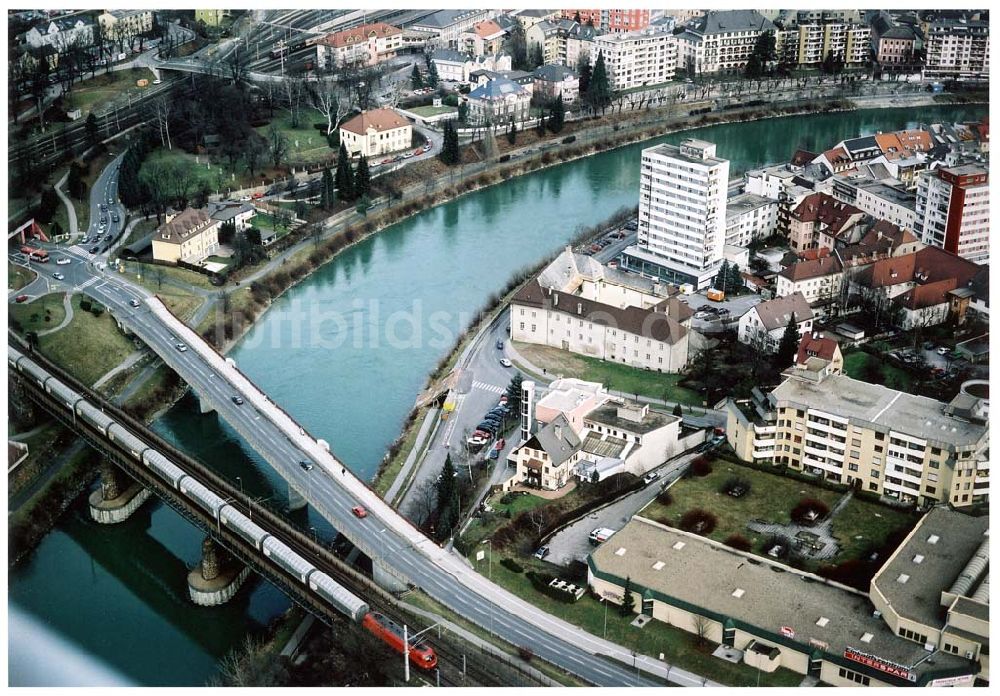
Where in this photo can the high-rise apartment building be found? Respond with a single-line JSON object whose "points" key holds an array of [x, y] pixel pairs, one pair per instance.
{"points": [[957, 48], [682, 213], [614, 21], [638, 58], [953, 210]]}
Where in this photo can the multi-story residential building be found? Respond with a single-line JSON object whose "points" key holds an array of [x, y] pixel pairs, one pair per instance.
{"points": [[456, 66], [547, 458], [894, 44], [807, 44], [638, 58], [953, 210], [654, 338], [485, 38], [239, 214], [764, 324], [115, 23], [882, 201], [561, 40], [817, 280], [376, 132], [823, 351], [682, 213], [188, 236], [529, 18], [498, 101], [367, 44], [613, 21], [934, 589], [749, 217], [555, 80], [445, 27], [819, 221], [957, 48], [212, 18], [911, 448], [720, 41], [62, 32]]}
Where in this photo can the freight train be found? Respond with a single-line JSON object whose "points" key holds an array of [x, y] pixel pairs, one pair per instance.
{"points": [[331, 592]]}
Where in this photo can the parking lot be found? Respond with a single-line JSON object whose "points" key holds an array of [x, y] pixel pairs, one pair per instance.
{"points": [[713, 316]]}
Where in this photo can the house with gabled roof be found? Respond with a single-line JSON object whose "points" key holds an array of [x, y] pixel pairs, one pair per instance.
{"points": [[820, 220], [764, 324], [376, 132]]}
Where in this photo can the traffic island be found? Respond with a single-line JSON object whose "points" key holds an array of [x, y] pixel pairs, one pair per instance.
{"points": [[217, 578]]}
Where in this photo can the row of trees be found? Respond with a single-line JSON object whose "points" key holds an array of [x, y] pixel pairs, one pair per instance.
{"points": [[347, 184]]}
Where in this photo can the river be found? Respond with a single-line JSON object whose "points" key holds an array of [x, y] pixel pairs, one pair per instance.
{"points": [[346, 352]]}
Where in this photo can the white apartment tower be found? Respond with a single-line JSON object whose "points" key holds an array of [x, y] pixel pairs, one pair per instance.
{"points": [[682, 213]]}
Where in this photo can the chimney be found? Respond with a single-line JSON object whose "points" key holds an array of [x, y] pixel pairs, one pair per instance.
{"points": [[579, 308], [558, 431], [555, 300]]}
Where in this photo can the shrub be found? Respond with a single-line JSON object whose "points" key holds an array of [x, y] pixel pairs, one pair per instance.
{"points": [[698, 521], [512, 565], [809, 511], [525, 653], [569, 139], [735, 486], [665, 498], [738, 542], [85, 304], [540, 581], [701, 466]]}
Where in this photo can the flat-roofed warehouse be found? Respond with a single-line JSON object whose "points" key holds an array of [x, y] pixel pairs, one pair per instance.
{"points": [[777, 616]]}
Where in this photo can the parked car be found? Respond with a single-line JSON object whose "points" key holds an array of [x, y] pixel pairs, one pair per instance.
{"points": [[500, 344], [257, 196], [650, 477], [943, 350], [359, 511], [387, 160], [93, 249], [21, 298], [542, 552]]}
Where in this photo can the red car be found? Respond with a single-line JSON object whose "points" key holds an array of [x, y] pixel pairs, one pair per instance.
{"points": [[359, 511], [21, 298], [387, 160], [418, 151], [257, 196], [500, 444]]}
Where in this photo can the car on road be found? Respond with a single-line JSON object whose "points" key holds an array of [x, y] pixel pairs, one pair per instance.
{"points": [[427, 147], [85, 239], [505, 362], [499, 444], [388, 160], [359, 511], [114, 217], [542, 552], [500, 344], [308, 467], [407, 155], [257, 196], [943, 350], [59, 276], [650, 477], [133, 303], [418, 151], [63, 262], [244, 198], [21, 298], [238, 400], [157, 81], [93, 249], [181, 347]]}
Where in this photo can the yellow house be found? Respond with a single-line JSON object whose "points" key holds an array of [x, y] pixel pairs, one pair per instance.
{"points": [[116, 23], [211, 18], [188, 236], [376, 132]]}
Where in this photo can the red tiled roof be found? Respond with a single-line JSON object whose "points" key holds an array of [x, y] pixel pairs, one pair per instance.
{"points": [[360, 34], [825, 209], [487, 28], [927, 266], [379, 119], [837, 155], [885, 230], [928, 295], [815, 268], [811, 346], [802, 157]]}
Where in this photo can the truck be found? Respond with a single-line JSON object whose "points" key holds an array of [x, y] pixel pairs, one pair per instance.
{"points": [[600, 535], [715, 295], [39, 255]]}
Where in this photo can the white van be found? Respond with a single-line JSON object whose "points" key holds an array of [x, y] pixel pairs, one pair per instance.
{"points": [[600, 535]]}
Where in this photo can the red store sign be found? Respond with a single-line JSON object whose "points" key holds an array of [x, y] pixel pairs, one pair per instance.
{"points": [[878, 663]]}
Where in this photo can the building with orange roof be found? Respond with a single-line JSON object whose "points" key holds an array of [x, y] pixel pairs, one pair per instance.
{"points": [[815, 346], [819, 220], [367, 44], [485, 38], [376, 132]]}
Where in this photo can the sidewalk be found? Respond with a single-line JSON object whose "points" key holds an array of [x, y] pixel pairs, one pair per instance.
{"points": [[418, 448]]}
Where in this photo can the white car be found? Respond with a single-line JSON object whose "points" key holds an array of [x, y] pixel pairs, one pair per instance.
{"points": [[59, 276], [505, 362], [63, 262]]}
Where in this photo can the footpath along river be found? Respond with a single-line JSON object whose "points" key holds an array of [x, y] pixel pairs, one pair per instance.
{"points": [[346, 352]]}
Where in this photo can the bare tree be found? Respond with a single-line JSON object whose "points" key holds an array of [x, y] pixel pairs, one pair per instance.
{"points": [[277, 145], [326, 96], [162, 108], [701, 628], [238, 65], [424, 501], [292, 97]]}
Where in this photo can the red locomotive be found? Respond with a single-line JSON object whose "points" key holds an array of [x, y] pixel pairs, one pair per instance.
{"points": [[387, 630]]}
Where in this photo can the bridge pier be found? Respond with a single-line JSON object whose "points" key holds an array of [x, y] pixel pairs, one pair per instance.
{"points": [[115, 502], [295, 499], [386, 578], [217, 578], [203, 404]]}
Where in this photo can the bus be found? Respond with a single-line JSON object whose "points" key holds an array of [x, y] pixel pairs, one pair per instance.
{"points": [[38, 255]]}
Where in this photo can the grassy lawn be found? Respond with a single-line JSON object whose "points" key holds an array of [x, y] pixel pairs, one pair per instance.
{"points": [[858, 364], [426, 111], [101, 90], [89, 346], [46, 312], [197, 172], [389, 474], [141, 229], [305, 143], [18, 276], [678, 647], [483, 527], [630, 380], [772, 498], [150, 274]]}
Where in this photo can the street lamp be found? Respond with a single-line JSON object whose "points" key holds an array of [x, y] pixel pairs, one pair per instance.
{"points": [[406, 647]]}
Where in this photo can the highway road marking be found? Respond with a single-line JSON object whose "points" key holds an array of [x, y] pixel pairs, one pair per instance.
{"points": [[489, 387], [87, 283]]}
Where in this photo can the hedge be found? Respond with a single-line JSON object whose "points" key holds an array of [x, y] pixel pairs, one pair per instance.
{"points": [[540, 581]]}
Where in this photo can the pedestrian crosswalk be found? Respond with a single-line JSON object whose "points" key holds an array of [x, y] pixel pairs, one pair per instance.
{"points": [[87, 283], [488, 387]]}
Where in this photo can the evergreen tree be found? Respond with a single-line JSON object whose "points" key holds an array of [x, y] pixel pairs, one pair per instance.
{"points": [[93, 137], [788, 346], [628, 601], [540, 125], [432, 76], [584, 69], [678, 411], [721, 281], [599, 89], [343, 178], [537, 57], [514, 394], [75, 183], [325, 189], [447, 499], [753, 69], [450, 154], [463, 111], [512, 133], [47, 205], [577, 18], [415, 79], [735, 278], [362, 179], [557, 115]]}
